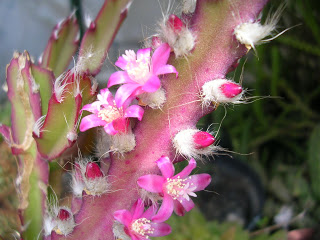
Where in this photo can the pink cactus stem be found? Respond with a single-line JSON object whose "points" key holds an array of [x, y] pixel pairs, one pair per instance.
{"points": [[138, 224], [175, 189], [140, 72]]}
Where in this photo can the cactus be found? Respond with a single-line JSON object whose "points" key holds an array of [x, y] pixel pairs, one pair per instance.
{"points": [[168, 86]]}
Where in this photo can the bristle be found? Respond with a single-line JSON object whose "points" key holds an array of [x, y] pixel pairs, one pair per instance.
{"points": [[154, 100], [38, 125]]}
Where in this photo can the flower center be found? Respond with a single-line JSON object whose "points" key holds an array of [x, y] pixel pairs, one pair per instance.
{"points": [[139, 70], [109, 114], [142, 226], [178, 187]]}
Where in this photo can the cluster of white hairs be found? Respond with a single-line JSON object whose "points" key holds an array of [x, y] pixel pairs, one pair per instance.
{"points": [[118, 144], [52, 221], [92, 186], [122, 143], [154, 100], [38, 125], [253, 33], [185, 145], [118, 231], [188, 6]]}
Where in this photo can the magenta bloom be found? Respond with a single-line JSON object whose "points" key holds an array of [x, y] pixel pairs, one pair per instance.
{"points": [[138, 224], [175, 189], [140, 72], [107, 114]]}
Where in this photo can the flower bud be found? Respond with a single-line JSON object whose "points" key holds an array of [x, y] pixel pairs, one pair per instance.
{"points": [[175, 23], [63, 214], [93, 171]]}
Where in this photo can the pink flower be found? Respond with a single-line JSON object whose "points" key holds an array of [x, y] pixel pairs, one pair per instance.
{"points": [[175, 189], [107, 114], [140, 72], [137, 223]]}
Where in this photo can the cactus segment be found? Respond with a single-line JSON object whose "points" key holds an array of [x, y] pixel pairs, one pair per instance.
{"points": [[100, 34], [59, 130], [62, 45], [22, 100], [44, 78]]}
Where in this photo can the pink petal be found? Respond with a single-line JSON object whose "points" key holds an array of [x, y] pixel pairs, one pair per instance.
{"points": [[151, 183], [110, 129], [166, 167], [135, 237], [178, 208], [121, 124], [167, 69], [188, 205], [160, 57], [90, 121], [138, 209], [152, 85], [160, 229], [200, 181], [105, 93], [121, 63], [187, 170], [124, 92], [151, 211], [143, 53], [119, 77], [123, 216], [134, 111], [165, 210], [90, 108], [106, 97]]}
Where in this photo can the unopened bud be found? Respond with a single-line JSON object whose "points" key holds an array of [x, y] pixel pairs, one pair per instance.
{"points": [[63, 214], [175, 23], [93, 171], [203, 140]]}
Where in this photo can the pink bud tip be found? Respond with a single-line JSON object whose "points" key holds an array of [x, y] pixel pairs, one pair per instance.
{"points": [[203, 139], [175, 23], [93, 171], [230, 89], [63, 214]]}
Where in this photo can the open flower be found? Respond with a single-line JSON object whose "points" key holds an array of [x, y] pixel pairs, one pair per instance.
{"points": [[140, 72], [138, 224], [107, 114], [175, 189]]}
